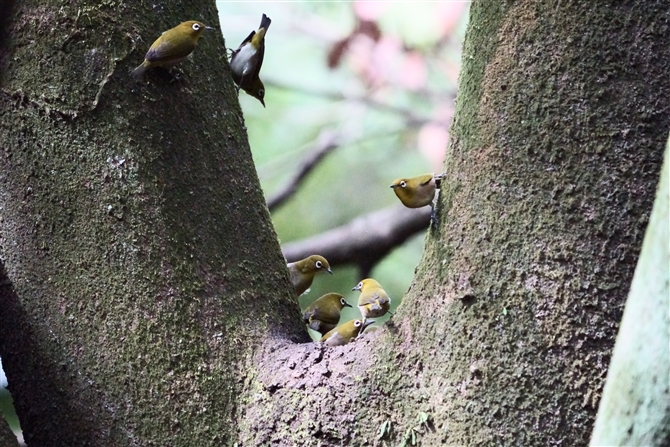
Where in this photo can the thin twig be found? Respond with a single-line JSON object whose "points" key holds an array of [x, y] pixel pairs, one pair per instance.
{"points": [[325, 143], [411, 118]]}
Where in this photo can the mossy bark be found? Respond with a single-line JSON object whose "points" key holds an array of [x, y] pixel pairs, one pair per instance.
{"points": [[555, 156], [134, 233], [7, 437]]}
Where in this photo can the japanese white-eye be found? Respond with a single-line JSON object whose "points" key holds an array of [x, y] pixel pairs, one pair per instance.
{"points": [[345, 333], [373, 301], [303, 271], [246, 62], [417, 192], [172, 47], [324, 314]]}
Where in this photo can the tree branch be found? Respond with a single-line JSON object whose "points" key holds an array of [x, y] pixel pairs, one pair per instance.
{"points": [[325, 143], [365, 240]]}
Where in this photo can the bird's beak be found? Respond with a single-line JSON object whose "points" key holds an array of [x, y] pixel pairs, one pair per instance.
{"points": [[262, 102], [330, 271], [356, 288], [210, 28], [347, 304], [366, 323]]}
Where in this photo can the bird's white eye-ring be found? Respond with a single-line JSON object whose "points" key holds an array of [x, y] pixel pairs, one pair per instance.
{"points": [[195, 27], [343, 301], [403, 184], [261, 93], [357, 323], [318, 264]]}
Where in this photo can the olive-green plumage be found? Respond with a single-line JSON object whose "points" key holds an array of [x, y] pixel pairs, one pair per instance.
{"points": [[417, 192], [172, 47], [303, 271], [345, 333], [246, 62], [324, 314], [373, 301]]}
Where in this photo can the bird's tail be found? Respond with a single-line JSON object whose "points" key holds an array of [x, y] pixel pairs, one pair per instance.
{"points": [[265, 23], [139, 71]]}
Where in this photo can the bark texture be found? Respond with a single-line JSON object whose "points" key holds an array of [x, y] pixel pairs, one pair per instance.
{"points": [[7, 437], [506, 333], [635, 408], [134, 234], [556, 154]]}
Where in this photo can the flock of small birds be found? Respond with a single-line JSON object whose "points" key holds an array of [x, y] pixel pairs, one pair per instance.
{"points": [[323, 315]]}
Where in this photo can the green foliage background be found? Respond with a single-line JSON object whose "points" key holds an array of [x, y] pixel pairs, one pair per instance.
{"points": [[304, 97]]}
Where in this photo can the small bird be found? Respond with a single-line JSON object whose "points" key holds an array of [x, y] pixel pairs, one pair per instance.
{"points": [[373, 301], [417, 192], [246, 62], [303, 271], [172, 47], [346, 332], [324, 314]]}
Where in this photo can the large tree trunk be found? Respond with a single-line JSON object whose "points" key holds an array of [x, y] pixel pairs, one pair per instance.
{"points": [[140, 289], [556, 152], [135, 236]]}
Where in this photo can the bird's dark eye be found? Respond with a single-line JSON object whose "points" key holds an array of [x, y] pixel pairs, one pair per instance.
{"points": [[403, 184], [360, 285], [318, 264], [196, 27], [261, 93], [357, 323], [343, 301]]}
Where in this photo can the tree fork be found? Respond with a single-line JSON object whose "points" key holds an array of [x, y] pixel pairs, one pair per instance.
{"points": [[506, 332]]}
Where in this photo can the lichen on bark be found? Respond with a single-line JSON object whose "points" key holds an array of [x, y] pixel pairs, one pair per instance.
{"points": [[134, 232]]}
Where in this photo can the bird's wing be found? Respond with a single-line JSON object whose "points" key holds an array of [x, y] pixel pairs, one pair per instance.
{"points": [[383, 298], [319, 314], [163, 50], [426, 178], [259, 56], [246, 41], [371, 298]]}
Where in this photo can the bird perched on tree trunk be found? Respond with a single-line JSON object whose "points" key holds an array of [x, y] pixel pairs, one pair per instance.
{"points": [[373, 301], [303, 271], [172, 47], [417, 192], [246, 62], [324, 314], [345, 333]]}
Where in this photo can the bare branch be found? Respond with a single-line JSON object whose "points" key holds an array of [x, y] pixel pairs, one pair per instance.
{"points": [[325, 143], [365, 240]]}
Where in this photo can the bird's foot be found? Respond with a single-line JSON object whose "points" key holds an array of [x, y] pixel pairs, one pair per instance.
{"points": [[433, 218]]}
